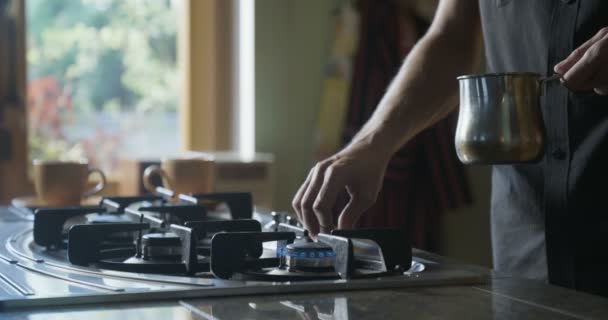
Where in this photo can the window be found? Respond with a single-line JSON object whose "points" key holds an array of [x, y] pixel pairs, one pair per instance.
{"points": [[103, 80]]}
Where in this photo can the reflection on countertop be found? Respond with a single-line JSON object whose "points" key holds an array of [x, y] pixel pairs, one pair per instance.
{"points": [[502, 298]]}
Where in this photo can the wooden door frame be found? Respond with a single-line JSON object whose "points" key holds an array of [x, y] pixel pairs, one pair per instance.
{"points": [[13, 172]]}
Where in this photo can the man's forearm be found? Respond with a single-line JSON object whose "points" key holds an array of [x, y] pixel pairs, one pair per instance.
{"points": [[425, 89]]}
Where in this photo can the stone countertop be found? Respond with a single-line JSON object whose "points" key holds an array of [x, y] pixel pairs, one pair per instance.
{"points": [[502, 297]]}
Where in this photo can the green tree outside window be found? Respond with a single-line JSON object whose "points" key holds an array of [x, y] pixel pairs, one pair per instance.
{"points": [[103, 79]]}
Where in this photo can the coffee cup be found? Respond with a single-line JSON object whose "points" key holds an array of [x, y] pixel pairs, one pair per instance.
{"points": [[182, 175], [63, 183]]}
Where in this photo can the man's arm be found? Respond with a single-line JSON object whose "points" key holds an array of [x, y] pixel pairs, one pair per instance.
{"points": [[424, 91]]}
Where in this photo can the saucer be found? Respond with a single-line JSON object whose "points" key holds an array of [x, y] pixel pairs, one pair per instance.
{"points": [[33, 202]]}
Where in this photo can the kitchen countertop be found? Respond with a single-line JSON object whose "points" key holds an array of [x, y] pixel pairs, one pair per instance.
{"points": [[502, 297]]}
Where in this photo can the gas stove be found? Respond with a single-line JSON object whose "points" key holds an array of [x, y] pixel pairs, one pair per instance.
{"points": [[153, 247]]}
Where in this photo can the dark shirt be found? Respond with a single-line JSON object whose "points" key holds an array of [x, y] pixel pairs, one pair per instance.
{"points": [[550, 219]]}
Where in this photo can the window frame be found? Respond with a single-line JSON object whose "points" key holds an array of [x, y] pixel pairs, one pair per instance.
{"points": [[207, 63], [13, 172]]}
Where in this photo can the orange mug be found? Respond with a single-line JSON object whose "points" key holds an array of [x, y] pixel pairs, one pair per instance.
{"points": [[63, 183]]}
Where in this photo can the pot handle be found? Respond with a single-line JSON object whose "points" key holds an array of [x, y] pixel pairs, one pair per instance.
{"points": [[555, 76], [552, 77]]}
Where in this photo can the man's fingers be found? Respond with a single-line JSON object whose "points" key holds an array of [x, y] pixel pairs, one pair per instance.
{"points": [[310, 220], [324, 204], [578, 53], [600, 80], [586, 73], [351, 213], [297, 199], [571, 60], [602, 90]]}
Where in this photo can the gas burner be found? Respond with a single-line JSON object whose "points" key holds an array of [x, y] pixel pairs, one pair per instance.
{"points": [[304, 254], [238, 255], [161, 247], [156, 253], [159, 253], [176, 251]]}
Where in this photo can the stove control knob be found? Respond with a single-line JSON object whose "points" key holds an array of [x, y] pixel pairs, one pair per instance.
{"points": [[276, 220], [273, 224], [291, 221], [276, 217]]}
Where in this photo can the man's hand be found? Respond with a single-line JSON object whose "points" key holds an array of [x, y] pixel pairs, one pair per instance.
{"points": [[586, 68], [359, 169]]}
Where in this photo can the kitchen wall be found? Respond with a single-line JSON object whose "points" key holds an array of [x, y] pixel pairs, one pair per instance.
{"points": [[292, 38]]}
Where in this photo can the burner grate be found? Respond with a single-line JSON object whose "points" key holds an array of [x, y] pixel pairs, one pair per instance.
{"points": [[49, 222]]}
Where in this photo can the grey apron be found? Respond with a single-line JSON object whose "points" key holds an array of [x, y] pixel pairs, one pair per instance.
{"points": [[550, 219]]}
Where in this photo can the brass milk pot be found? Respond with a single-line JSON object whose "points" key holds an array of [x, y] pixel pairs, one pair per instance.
{"points": [[500, 119]]}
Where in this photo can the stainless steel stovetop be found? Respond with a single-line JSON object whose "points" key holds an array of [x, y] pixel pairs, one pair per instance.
{"points": [[32, 275]]}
